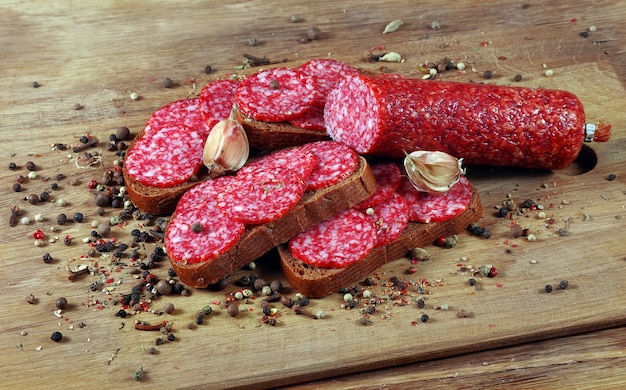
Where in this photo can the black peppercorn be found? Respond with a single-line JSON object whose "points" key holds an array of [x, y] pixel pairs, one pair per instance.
{"points": [[518, 77], [528, 203], [78, 217], [12, 166], [421, 303], [313, 33], [35, 84], [54, 186], [168, 82], [488, 74], [122, 313], [208, 69], [424, 318], [61, 303], [17, 187], [503, 212], [472, 282], [56, 336], [83, 139], [47, 258], [61, 219], [45, 196], [171, 337], [564, 284], [611, 177], [548, 288], [31, 166]]}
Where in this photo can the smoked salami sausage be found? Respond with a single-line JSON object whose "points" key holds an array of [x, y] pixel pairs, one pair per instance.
{"points": [[391, 115]]}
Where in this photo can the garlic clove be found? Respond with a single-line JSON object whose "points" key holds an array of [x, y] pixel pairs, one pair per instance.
{"points": [[433, 171], [226, 148]]}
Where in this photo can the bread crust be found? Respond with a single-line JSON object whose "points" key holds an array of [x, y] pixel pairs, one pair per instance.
{"points": [[257, 240], [317, 282], [277, 135]]}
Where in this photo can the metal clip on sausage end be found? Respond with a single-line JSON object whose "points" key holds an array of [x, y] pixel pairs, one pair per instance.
{"points": [[590, 131]]}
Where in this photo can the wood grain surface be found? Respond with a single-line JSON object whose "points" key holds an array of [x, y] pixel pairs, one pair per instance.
{"points": [[96, 54]]}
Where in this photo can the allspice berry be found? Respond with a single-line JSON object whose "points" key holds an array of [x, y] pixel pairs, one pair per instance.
{"points": [[232, 310], [163, 287]]}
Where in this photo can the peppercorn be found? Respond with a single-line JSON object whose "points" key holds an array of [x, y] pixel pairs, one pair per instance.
{"points": [[528, 203], [276, 286], [424, 318], [208, 69], [17, 187], [472, 282], [163, 287], [518, 77], [196, 227], [171, 337], [503, 212], [61, 303], [56, 336], [33, 199], [54, 186], [12, 166], [31, 166], [47, 258], [200, 318], [122, 133], [61, 219], [421, 303], [121, 313], [78, 217], [488, 74], [168, 82], [45, 196], [563, 284], [83, 139], [548, 288], [258, 284], [35, 84], [611, 177], [313, 33]]}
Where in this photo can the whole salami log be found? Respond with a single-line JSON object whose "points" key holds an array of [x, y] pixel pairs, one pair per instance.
{"points": [[391, 115]]}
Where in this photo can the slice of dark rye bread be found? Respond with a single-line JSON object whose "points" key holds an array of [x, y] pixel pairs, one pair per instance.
{"points": [[277, 135], [313, 208], [317, 282]]}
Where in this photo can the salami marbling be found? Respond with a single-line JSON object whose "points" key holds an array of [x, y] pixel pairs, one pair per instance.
{"points": [[217, 99], [336, 242], [481, 123], [327, 73], [275, 95], [425, 207], [387, 176], [296, 158], [181, 112], [335, 163], [389, 218], [199, 231], [312, 119], [166, 156]]}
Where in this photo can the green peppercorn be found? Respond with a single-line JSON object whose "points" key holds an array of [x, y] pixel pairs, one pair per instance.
{"points": [[207, 310]]}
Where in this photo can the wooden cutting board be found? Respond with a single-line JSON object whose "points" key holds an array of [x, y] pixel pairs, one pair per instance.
{"points": [[96, 54]]}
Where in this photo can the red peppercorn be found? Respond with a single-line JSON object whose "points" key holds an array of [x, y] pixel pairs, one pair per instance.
{"points": [[441, 241], [492, 272], [38, 235], [92, 184]]}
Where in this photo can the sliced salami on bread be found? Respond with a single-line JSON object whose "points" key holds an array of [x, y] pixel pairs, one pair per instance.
{"points": [[317, 282], [200, 268]]}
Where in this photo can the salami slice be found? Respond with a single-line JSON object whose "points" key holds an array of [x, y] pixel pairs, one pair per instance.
{"points": [[387, 176], [327, 73], [335, 163], [261, 196], [481, 123], [165, 157], [312, 119], [181, 112], [336, 242], [275, 95], [217, 99], [199, 231], [297, 159], [425, 207], [389, 218]]}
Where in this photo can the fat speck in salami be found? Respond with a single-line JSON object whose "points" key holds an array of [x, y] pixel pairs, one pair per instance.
{"points": [[387, 176], [389, 218], [181, 112], [481, 123], [336, 162], [336, 242]]}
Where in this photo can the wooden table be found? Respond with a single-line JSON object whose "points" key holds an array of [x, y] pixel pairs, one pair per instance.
{"points": [[89, 57]]}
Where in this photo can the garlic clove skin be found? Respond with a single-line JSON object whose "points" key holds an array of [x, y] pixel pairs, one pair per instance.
{"points": [[226, 148], [433, 171]]}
